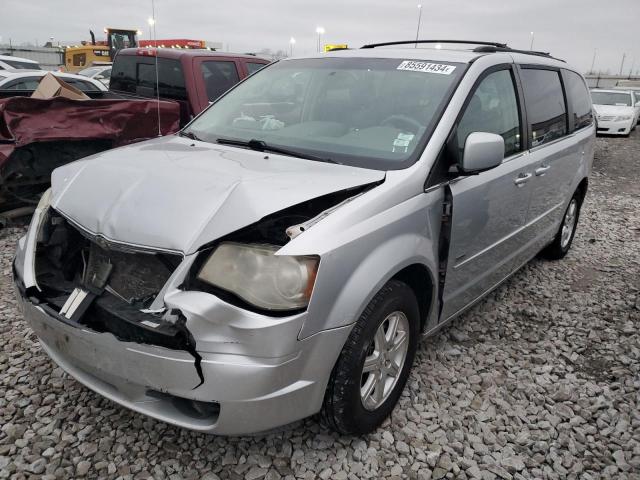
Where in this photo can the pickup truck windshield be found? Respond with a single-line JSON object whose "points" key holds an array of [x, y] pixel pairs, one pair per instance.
{"points": [[366, 112]]}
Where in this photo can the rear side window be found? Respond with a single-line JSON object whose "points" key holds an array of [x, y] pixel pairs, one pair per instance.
{"points": [[493, 109], [29, 83], [254, 67], [546, 108], [81, 85], [22, 65], [137, 75], [219, 76], [580, 100]]}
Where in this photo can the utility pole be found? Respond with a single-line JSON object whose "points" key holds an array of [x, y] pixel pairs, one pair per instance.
{"points": [[622, 63], [532, 37], [418, 29], [593, 62]]}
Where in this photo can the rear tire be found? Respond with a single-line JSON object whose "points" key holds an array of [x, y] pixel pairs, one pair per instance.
{"points": [[564, 238], [360, 397]]}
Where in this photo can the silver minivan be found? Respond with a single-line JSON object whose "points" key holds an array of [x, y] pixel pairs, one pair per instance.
{"points": [[285, 252]]}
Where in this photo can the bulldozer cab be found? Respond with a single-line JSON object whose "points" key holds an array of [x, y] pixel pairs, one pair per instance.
{"points": [[117, 39]]}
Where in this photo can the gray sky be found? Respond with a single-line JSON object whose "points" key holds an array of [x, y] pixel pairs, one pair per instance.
{"points": [[569, 29]]}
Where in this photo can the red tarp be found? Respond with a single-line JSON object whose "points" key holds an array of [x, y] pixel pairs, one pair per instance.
{"points": [[24, 120]]}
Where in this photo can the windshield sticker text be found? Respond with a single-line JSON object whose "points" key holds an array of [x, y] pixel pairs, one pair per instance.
{"points": [[425, 67]]}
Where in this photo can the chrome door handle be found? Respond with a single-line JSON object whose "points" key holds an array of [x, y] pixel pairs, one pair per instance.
{"points": [[522, 179], [540, 171]]}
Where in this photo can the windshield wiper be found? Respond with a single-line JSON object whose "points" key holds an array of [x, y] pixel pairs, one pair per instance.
{"points": [[190, 135], [262, 146]]}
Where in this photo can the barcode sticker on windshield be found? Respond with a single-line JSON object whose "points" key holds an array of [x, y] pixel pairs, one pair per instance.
{"points": [[425, 67]]}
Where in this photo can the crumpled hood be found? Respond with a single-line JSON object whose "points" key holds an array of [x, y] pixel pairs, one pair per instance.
{"points": [[613, 110], [174, 193]]}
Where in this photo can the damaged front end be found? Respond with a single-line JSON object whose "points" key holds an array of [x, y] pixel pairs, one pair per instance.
{"points": [[107, 287], [136, 324]]}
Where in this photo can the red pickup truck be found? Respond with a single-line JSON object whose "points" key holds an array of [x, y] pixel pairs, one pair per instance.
{"points": [[37, 136], [192, 77]]}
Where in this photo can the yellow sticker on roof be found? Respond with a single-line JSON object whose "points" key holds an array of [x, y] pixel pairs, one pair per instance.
{"points": [[426, 67]]}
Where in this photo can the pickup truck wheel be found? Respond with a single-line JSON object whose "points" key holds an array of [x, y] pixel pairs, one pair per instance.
{"points": [[374, 364], [564, 238]]}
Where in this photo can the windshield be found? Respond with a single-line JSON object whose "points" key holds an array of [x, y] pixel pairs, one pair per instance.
{"points": [[367, 112], [90, 72], [611, 98]]}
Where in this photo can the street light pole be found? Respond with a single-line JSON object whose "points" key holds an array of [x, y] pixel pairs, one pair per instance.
{"points": [[292, 42], [532, 37], [320, 32], [151, 21], [593, 62], [418, 29]]}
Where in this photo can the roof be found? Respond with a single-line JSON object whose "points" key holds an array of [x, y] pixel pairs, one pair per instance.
{"points": [[457, 55], [448, 52], [612, 90], [178, 53]]}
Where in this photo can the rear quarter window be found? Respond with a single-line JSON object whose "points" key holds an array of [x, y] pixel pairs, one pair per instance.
{"points": [[545, 103], [578, 95]]}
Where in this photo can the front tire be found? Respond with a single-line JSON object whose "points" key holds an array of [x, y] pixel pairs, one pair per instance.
{"points": [[372, 369], [564, 238]]}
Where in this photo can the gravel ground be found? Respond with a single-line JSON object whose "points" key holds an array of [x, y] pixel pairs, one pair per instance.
{"points": [[540, 380]]}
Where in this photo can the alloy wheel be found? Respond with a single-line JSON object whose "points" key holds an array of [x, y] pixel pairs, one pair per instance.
{"points": [[568, 224], [384, 361]]}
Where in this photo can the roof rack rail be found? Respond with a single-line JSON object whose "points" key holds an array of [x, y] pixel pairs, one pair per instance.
{"points": [[409, 42], [493, 49]]}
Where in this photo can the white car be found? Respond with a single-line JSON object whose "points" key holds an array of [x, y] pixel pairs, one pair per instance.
{"points": [[617, 111], [636, 93], [8, 62], [28, 80], [101, 73]]}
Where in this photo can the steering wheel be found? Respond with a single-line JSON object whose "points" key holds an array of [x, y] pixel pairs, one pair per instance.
{"points": [[402, 121]]}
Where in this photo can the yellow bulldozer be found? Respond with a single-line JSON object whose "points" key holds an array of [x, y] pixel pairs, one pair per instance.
{"points": [[87, 54]]}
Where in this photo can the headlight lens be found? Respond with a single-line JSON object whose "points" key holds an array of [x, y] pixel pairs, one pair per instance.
{"points": [[623, 117], [258, 276]]}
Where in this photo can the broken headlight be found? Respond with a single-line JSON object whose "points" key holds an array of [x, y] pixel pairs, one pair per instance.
{"points": [[261, 278]]}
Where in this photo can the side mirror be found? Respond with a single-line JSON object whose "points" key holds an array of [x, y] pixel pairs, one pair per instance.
{"points": [[482, 151]]}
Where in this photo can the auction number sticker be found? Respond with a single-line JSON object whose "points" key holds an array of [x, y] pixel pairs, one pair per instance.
{"points": [[426, 67]]}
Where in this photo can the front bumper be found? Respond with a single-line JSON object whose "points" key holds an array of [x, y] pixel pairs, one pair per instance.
{"points": [[254, 373], [622, 127]]}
